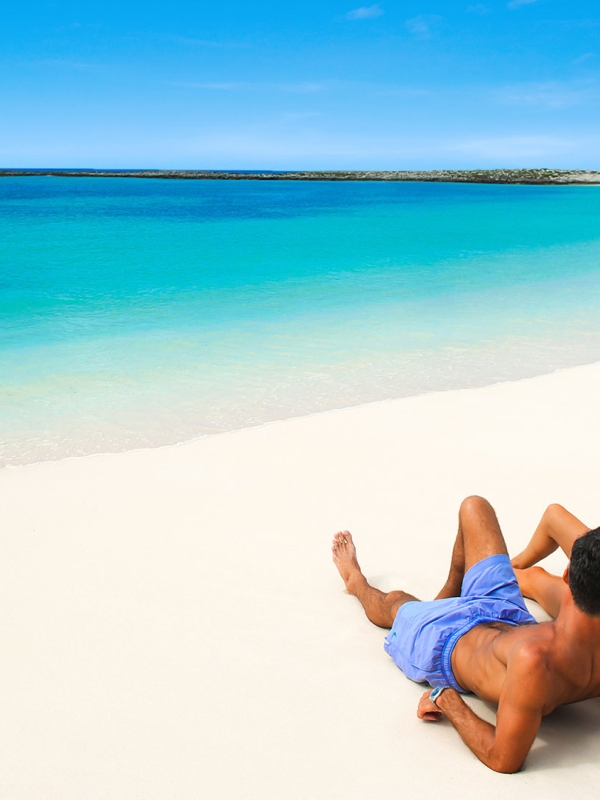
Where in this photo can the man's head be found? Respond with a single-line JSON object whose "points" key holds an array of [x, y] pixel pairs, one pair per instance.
{"points": [[584, 572]]}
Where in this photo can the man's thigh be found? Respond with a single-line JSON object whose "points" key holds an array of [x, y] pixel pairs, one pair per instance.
{"points": [[480, 529]]}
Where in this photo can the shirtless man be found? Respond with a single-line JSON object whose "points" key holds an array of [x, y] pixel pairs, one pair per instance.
{"points": [[478, 636]]}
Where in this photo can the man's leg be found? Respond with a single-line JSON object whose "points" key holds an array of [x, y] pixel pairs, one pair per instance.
{"points": [[557, 528], [478, 537], [380, 607]]}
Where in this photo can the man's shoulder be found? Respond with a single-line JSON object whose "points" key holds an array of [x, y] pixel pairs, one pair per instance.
{"points": [[532, 654], [536, 675], [530, 657]]}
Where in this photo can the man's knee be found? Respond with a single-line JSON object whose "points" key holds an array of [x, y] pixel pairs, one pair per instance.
{"points": [[474, 505], [481, 532], [396, 599]]}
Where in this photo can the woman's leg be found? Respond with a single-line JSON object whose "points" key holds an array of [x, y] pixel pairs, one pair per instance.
{"points": [[544, 588], [557, 528]]}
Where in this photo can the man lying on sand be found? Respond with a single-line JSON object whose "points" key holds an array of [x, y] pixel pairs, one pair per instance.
{"points": [[478, 636]]}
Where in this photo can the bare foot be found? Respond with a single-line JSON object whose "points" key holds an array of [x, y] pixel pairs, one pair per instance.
{"points": [[344, 557], [520, 562], [524, 560]]}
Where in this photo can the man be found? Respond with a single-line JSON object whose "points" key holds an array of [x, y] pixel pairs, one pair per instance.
{"points": [[478, 636]]}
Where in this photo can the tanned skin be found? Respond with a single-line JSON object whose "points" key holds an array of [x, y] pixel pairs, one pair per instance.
{"points": [[527, 670]]}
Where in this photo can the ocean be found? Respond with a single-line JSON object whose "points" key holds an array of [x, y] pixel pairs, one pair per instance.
{"points": [[144, 312]]}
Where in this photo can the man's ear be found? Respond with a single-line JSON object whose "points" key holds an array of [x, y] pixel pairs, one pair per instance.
{"points": [[565, 576]]}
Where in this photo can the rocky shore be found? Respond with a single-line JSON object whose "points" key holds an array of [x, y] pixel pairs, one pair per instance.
{"points": [[524, 176]]}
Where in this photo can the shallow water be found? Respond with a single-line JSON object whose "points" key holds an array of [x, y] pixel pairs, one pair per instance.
{"points": [[138, 313]]}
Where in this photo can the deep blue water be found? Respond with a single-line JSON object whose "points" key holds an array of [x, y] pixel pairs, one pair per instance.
{"points": [[139, 312]]}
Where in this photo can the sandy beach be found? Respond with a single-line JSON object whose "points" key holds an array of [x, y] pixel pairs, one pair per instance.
{"points": [[173, 625]]}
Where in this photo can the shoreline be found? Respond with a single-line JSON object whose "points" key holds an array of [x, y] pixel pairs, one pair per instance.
{"points": [[284, 420], [543, 177], [161, 604]]}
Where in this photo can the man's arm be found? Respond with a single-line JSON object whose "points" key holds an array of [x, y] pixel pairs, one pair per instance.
{"points": [[503, 748]]}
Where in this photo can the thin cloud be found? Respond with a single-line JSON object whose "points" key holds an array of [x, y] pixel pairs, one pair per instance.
{"points": [[365, 12], [193, 42], [478, 8], [401, 91], [423, 26], [583, 58], [517, 3], [571, 23], [73, 26], [68, 63], [299, 88], [512, 147], [298, 116], [221, 87], [302, 87], [550, 95]]}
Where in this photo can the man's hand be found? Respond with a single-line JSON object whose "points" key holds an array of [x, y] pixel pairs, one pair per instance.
{"points": [[504, 747], [428, 710]]}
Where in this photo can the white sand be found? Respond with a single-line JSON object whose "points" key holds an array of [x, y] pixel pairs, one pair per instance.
{"points": [[173, 627]]}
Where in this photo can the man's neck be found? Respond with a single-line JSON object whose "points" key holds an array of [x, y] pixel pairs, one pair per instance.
{"points": [[574, 625]]}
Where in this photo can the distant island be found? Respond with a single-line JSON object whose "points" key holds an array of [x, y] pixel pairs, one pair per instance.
{"points": [[523, 176]]}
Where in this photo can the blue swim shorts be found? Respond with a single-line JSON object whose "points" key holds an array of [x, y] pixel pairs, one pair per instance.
{"points": [[424, 635]]}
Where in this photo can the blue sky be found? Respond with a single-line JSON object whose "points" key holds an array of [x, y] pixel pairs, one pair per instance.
{"points": [[279, 85]]}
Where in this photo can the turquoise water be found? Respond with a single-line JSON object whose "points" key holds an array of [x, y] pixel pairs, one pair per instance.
{"points": [[139, 313]]}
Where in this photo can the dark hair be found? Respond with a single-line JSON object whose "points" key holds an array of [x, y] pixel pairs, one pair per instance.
{"points": [[584, 572]]}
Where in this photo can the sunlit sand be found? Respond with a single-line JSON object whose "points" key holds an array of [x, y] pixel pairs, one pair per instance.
{"points": [[173, 625]]}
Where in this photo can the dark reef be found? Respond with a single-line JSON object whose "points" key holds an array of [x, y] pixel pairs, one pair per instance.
{"points": [[524, 176]]}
